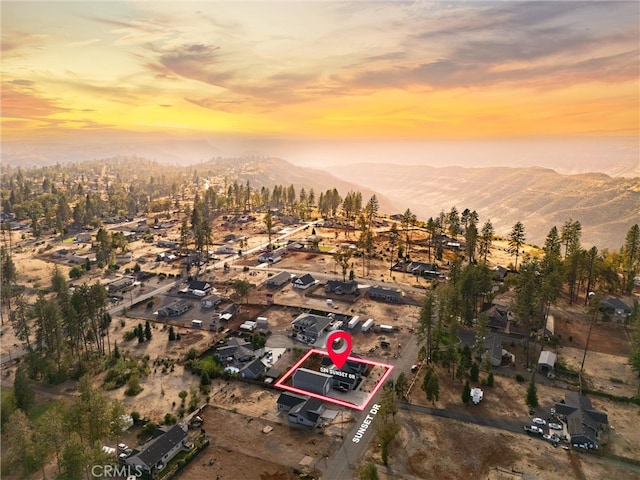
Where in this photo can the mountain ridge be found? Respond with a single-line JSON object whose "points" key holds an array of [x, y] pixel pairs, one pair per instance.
{"points": [[538, 196]]}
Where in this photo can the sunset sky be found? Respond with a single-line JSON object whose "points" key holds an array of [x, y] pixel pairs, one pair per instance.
{"points": [[310, 69]]}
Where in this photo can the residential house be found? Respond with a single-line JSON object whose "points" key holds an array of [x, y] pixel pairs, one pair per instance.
{"points": [[499, 273], [288, 400], [308, 327], [174, 309], [350, 376], [547, 362], [312, 381], [159, 451], [272, 256], [615, 306], [421, 269], [585, 425], [167, 244], [492, 347], [278, 280], [141, 227], [497, 318], [121, 284], [307, 413], [82, 259], [228, 312], [84, 237], [341, 288], [198, 286], [226, 249], [235, 351], [386, 294], [304, 281], [253, 370]]}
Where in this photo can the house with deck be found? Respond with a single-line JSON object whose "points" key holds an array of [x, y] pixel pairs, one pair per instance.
{"points": [[159, 451]]}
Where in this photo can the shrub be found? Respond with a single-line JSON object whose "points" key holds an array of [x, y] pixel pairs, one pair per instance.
{"points": [[519, 378], [133, 386]]}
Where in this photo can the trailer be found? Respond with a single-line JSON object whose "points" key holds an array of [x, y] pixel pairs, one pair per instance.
{"points": [[353, 322], [366, 326], [248, 326], [262, 324], [386, 328], [196, 323]]}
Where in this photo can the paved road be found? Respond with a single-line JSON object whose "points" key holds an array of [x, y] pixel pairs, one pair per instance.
{"points": [[514, 426], [344, 461]]}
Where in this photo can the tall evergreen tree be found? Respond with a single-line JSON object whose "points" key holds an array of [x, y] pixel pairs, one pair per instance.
{"points": [[23, 390], [516, 240], [532, 392], [486, 239]]}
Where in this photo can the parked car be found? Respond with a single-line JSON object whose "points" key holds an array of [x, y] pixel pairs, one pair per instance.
{"points": [[555, 426], [539, 421], [533, 429]]}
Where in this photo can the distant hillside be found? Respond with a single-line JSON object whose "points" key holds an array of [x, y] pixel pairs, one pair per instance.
{"points": [[274, 171], [540, 198]]}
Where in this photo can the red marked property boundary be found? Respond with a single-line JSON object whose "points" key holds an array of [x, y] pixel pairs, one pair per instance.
{"points": [[280, 383]]}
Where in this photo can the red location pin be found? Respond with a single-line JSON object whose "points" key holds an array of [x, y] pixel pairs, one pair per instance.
{"points": [[338, 354]]}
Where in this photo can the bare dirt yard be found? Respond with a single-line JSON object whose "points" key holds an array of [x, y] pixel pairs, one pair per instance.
{"points": [[253, 447], [435, 448], [431, 447]]}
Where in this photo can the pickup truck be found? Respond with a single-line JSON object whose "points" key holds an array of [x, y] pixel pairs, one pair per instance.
{"points": [[533, 429]]}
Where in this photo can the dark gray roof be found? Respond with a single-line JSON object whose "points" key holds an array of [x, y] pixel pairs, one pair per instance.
{"points": [[232, 309], [290, 400], [306, 376], [616, 304], [157, 448], [311, 323], [253, 369], [306, 279], [384, 292], [583, 421], [497, 317], [493, 344], [198, 285], [341, 287], [279, 278], [311, 409]]}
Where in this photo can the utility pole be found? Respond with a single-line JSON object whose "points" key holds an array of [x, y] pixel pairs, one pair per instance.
{"points": [[593, 307]]}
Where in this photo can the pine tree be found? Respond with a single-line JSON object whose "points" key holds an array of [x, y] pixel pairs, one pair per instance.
{"points": [[516, 240], [147, 331], [433, 389], [466, 393], [116, 351], [23, 391], [140, 333], [474, 372], [401, 385], [172, 334], [532, 392]]}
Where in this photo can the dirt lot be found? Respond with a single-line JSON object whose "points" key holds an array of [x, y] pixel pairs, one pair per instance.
{"points": [[252, 449], [434, 448], [426, 443]]}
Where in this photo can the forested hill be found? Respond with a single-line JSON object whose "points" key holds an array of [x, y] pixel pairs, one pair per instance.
{"points": [[269, 172], [539, 198]]}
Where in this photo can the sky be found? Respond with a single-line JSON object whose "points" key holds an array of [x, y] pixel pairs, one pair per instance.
{"points": [[145, 71]]}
